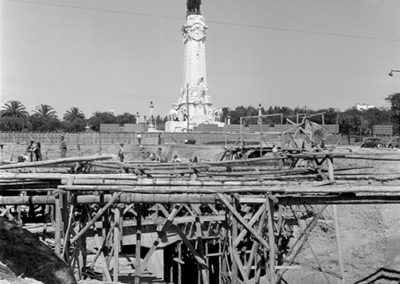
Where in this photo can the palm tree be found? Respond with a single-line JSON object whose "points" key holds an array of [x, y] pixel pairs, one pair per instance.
{"points": [[14, 109], [73, 113], [45, 111]]}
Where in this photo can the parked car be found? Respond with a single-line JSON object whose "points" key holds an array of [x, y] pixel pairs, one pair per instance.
{"points": [[394, 142], [372, 143]]}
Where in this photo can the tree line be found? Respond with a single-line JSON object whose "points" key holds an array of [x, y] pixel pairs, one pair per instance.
{"points": [[15, 117]]}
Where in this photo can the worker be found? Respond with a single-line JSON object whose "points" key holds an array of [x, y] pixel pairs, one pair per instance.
{"points": [[160, 157], [121, 152], [30, 151], [63, 147], [176, 159], [38, 151], [274, 150]]}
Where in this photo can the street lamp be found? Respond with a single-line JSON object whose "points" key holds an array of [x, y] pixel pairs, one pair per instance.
{"points": [[392, 71]]}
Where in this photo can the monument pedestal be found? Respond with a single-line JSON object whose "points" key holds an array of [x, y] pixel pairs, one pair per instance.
{"points": [[181, 126]]}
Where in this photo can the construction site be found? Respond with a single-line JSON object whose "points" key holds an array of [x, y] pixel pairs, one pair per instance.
{"points": [[271, 199], [292, 209]]}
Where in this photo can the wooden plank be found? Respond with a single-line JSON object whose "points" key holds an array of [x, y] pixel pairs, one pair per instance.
{"points": [[55, 162]]}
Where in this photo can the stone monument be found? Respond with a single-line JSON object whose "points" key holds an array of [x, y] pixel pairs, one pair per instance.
{"points": [[194, 105]]}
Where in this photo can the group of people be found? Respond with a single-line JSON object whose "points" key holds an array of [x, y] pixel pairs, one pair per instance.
{"points": [[33, 151], [158, 157]]}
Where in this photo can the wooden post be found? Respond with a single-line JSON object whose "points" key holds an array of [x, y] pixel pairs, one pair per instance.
{"points": [[179, 264], [23, 193], [81, 243], [67, 234], [105, 232], [220, 269], [330, 169], [102, 258], [117, 230], [138, 242], [234, 274], [58, 224], [199, 234], [339, 247], [271, 239]]}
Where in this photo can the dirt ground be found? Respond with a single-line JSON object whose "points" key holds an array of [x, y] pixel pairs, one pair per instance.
{"points": [[369, 234]]}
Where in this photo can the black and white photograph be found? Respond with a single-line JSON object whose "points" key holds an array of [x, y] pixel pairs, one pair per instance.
{"points": [[199, 141]]}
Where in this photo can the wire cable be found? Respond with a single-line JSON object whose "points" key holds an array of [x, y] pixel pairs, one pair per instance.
{"points": [[273, 28]]}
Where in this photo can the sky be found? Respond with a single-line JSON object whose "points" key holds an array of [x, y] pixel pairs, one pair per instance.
{"points": [[102, 55]]}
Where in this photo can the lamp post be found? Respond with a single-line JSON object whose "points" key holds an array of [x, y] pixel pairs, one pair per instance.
{"points": [[260, 123], [151, 125], [393, 71]]}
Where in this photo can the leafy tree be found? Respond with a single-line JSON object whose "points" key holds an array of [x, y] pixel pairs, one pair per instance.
{"points": [[73, 113], [44, 124], [226, 111], [101, 117], [14, 109], [126, 117], [160, 122], [12, 123], [45, 111], [394, 100], [76, 125], [330, 115]]}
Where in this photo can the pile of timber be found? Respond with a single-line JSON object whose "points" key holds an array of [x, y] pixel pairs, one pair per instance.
{"points": [[144, 180]]}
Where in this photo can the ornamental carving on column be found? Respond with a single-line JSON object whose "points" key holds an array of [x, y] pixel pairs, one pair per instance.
{"points": [[195, 29]]}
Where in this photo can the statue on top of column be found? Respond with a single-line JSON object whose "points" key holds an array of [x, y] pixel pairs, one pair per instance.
{"points": [[193, 7]]}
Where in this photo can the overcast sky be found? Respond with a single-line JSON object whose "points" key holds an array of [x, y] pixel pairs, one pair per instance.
{"points": [[122, 54]]}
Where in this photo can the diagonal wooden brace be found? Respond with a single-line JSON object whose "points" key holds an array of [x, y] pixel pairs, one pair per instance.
{"points": [[242, 221]]}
